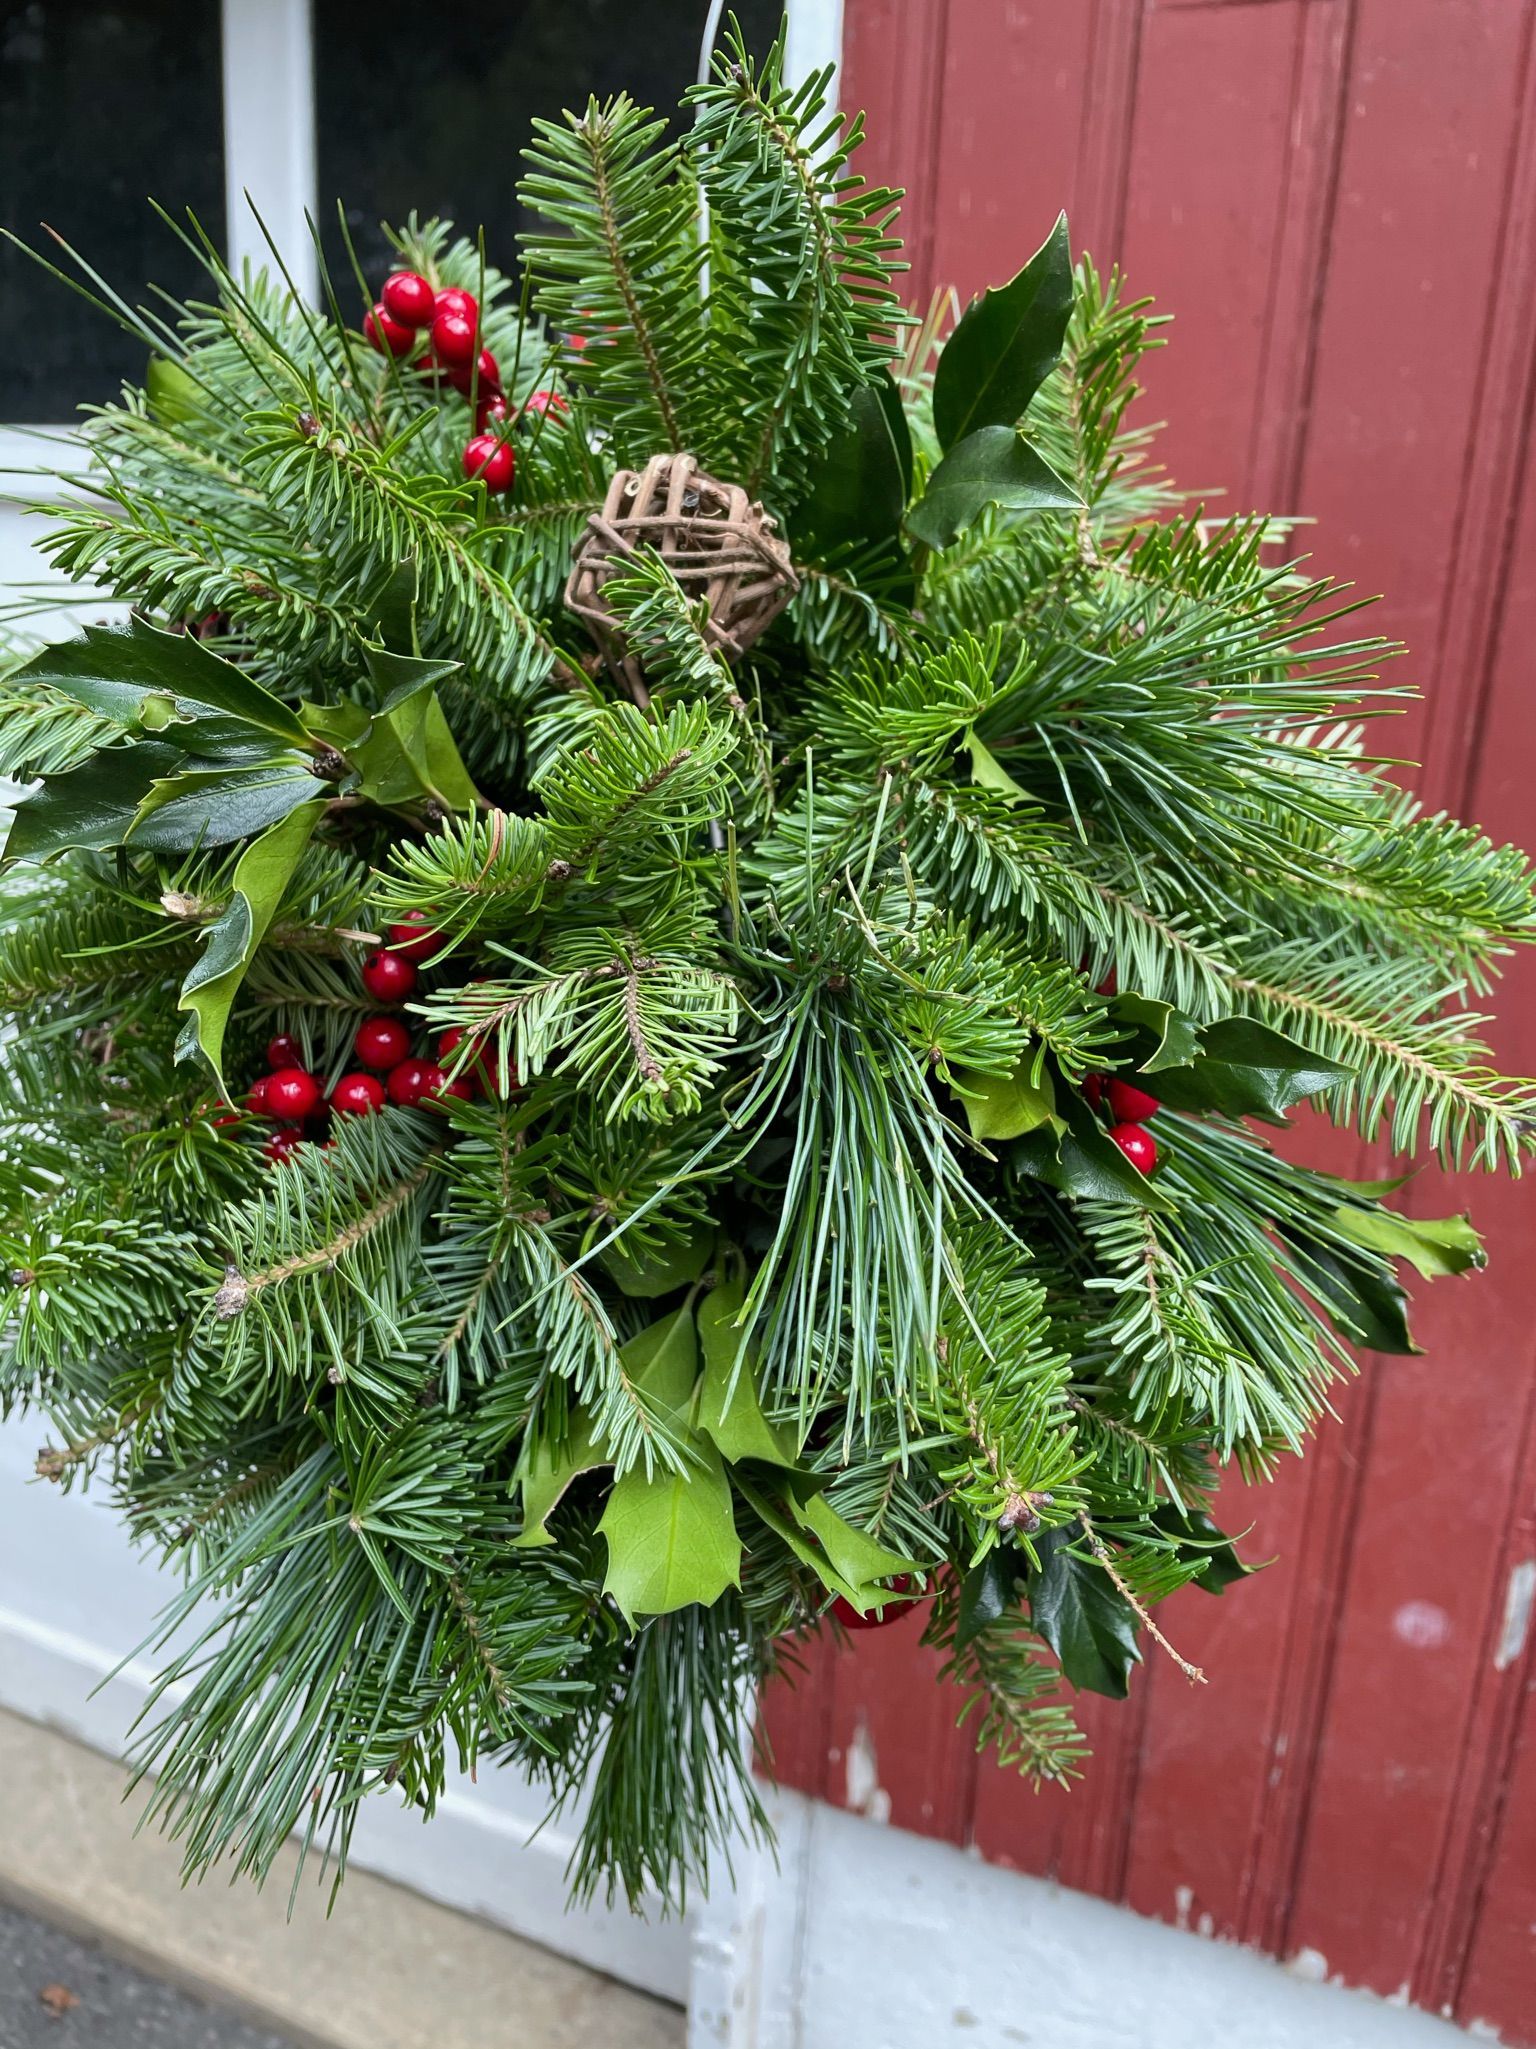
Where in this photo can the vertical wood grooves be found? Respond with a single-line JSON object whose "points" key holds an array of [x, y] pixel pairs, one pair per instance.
{"points": [[1109, 122], [1498, 448], [1299, 273]]}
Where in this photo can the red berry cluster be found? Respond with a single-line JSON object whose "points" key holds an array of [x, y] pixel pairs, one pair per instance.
{"points": [[450, 318], [1128, 1108], [892, 1611], [383, 1047]]}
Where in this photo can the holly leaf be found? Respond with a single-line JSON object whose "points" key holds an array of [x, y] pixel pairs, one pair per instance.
{"points": [[1081, 1161], [143, 677], [210, 807], [549, 1471], [1433, 1245], [999, 1106], [1165, 1036], [987, 1593], [409, 750], [1077, 1609], [671, 1537], [262, 873], [1364, 1301], [90, 806], [854, 1555], [1247, 1069], [988, 773], [1005, 345], [663, 1362], [993, 466], [791, 1530], [860, 488], [730, 1411], [1198, 1539], [643, 1275]]}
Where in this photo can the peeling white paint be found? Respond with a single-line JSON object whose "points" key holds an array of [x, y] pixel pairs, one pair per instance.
{"points": [[1183, 1900], [1421, 1625], [865, 1794], [1519, 1596]]}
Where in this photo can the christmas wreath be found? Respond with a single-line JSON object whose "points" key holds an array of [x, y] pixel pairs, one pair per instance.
{"points": [[641, 991]]}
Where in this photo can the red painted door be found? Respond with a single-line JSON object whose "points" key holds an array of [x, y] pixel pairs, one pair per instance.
{"points": [[1337, 201]]}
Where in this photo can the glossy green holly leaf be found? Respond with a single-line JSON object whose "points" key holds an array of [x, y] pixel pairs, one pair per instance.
{"points": [[174, 394], [1364, 1300], [1199, 1541], [89, 806], [1081, 1161], [999, 1107], [988, 1591], [1088, 1624], [663, 1362], [853, 1554], [993, 466], [730, 1412], [773, 1509], [1005, 345], [1247, 1069], [549, 1471], [988, 773], [859, 491], [671, 1537], [1165, 1037], [210, 807], [645, 1275], [409, 751], [1434, 1245], [262, 873], [143, 677]]}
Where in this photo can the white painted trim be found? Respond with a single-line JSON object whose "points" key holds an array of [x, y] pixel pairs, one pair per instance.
{"points": [[815, 38], [863, 1935], [269, 133]]}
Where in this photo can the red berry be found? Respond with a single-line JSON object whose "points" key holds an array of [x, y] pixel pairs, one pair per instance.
{"points": [[1138, 1145], [489, 409], [389, 977], [355, 1095], [414, 1080], [1129, 1104], [576, 341], [408, 298], [540, 402], [452, 300], [292, 1094], [414, 937], [490, 460], [282, 1143], [487, 371], [850, 1617], [283, 1051], [386, 335], [1093, 1090], [454, 339], [256, 1101], [382, 1042], [459, 1088]]}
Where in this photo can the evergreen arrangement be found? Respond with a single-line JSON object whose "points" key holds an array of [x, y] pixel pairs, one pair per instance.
{"points": [[543, 1150]]}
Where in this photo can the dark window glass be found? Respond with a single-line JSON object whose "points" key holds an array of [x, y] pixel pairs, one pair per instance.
{"points": [[430, 107], [100, 107]]}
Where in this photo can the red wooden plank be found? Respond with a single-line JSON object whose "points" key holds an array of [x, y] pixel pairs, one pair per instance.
{"points": [[1429, 128]]}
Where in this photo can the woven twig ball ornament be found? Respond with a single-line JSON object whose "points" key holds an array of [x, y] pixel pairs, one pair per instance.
{"points": [[717, 543]]}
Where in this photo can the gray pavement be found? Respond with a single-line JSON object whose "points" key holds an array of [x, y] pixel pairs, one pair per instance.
{"points": [[59, 1992]]}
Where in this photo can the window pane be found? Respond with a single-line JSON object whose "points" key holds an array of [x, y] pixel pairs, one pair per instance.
{"points": [[100, 107], [431, 109]]}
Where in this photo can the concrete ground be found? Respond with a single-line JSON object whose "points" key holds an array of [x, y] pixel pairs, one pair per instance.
{"points": [[104, 1917], [59, 1992]]}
